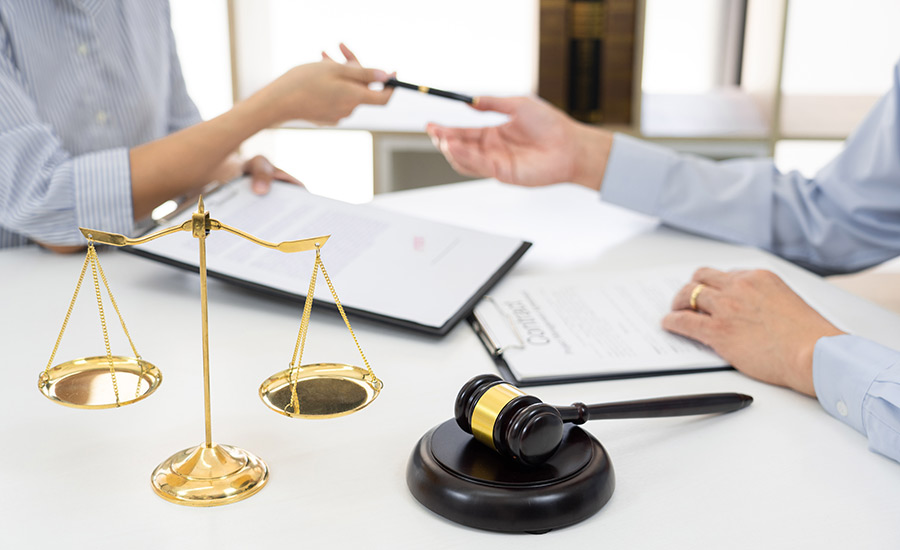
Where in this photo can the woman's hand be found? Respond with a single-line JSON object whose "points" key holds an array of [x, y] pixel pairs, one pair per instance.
{"points": [[262, 173], [324, 92], [259, 168], [755, 322]]}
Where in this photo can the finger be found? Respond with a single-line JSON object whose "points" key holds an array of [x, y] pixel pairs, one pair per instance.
{"points": [[376, 97], [705, 300], [465, 135], [326, 57], [506, 105], [261, 173], [349, 55], [711, 277], [281, 175], [466, 159], [363, 74], [683, 296], [435, 132], [690, 324]]}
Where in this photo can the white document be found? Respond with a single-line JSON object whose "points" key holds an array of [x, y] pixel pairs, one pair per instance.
{"points": [[588, 326], [418, 273]]}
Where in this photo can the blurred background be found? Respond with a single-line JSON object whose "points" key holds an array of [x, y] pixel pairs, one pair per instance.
{"points": [[720, 78]]}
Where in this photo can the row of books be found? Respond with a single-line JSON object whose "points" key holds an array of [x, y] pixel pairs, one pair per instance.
{"points": [[587, 58]]}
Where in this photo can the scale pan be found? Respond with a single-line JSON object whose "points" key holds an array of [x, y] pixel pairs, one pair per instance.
{"points": [[86, 383], [324, 390]]}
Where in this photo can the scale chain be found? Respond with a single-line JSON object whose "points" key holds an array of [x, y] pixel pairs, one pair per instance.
{"points": [[337, 302], [137, 391], [87, 259], [301, 338], [92, 253]]}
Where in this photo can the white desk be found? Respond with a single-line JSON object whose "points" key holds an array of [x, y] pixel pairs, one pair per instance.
{"points": [[780, 474]]}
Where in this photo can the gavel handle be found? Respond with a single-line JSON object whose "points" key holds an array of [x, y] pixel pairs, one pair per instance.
{"points": [[683, 405]]}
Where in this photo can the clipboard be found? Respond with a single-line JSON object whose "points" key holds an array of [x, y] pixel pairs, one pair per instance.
{"points": [[412, 273], [515, 343]]}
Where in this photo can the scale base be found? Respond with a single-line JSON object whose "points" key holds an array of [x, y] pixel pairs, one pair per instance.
{"points": [[209, 476], [456, 477]]}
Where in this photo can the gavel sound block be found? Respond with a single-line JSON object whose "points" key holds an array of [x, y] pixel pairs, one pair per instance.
{"points": [[525, 470]]}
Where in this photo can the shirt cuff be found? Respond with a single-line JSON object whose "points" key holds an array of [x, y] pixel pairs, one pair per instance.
{"points": [[844, 368], [635, 174], [103, 191]]}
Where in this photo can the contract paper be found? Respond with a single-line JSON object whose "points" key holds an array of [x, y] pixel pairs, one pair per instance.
{"points": [[382, 263], [585, 326]]}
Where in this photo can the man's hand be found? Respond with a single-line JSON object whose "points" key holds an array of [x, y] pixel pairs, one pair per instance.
{"points": [[539, 145], [755, 322]]}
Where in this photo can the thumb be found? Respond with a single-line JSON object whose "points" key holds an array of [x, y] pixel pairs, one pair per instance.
{"points": [[261, 174], [505, 105], [364, 75]]}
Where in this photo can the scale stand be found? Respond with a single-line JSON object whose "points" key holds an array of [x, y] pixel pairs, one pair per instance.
{"points": [[211, 474]]}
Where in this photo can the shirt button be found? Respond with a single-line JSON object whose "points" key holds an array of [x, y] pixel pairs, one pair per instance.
{"points": [[102, 117], [842, 408], [82, 49]]}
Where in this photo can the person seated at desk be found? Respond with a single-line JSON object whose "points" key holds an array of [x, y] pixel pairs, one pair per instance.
{"points": [[844, 219], [97, 128]]}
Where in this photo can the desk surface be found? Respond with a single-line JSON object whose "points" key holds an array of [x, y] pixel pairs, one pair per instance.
{"points": [[781, 474]]}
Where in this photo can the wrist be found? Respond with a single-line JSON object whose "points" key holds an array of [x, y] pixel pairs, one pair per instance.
{"points": [[262, 108], [592, 148], [802, 373], [801, 377]]}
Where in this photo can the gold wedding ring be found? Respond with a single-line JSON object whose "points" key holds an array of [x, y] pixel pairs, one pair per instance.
{"points": [[694, 293]]}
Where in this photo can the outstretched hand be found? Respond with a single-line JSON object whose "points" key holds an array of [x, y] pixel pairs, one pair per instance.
{"points": [[753, 320], [539, 145], [326, 91]]}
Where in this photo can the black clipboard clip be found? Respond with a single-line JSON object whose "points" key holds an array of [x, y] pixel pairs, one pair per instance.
{"points": [[482, 322]]}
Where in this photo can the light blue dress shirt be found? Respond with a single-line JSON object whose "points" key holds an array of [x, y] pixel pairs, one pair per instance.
{"points": [[81, 82], [844, 219]]}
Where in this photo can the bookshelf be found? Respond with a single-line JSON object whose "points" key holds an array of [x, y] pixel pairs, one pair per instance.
{"points": [[763, 49]]}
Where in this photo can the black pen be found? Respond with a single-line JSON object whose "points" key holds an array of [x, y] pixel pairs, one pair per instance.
{"points": [[433, 91]]}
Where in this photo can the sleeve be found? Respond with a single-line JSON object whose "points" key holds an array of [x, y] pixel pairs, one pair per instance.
{"points": [[45, 193], [182, 110], [846, 218], [858, 382]]}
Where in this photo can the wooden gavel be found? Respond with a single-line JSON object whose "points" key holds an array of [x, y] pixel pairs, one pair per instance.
{"points": [[522, 427]]}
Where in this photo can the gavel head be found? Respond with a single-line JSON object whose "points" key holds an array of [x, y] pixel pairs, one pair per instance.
{"points": [[504, 418]]}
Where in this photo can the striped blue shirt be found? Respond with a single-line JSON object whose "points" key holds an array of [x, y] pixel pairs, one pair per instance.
{"points": [[81, 82], [845, 218]]}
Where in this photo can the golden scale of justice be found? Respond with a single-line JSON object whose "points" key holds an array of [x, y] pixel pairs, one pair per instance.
{"points": [[209, 474]]}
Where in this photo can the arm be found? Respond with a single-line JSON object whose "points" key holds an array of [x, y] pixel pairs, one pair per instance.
{"points": [[45, 193], [844, 219], [759, 325], [322, 92]]}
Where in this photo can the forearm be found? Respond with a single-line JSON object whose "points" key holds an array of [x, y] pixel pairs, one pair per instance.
{"points": [[725, 200], [186, 160]]}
